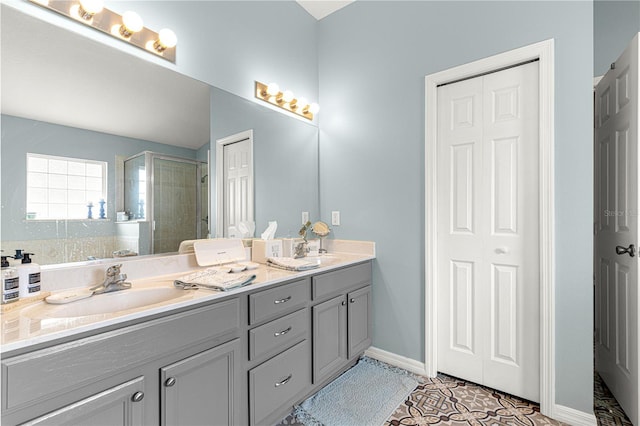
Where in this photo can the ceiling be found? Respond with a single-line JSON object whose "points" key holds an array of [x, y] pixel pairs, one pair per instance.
{"points": [[78, 82], [321, 8]]}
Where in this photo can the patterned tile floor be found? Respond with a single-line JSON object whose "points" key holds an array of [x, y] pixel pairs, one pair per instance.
{"points": [[445, 400]]}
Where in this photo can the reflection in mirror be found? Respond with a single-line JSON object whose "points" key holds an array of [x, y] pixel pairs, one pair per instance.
{"points": [[285, 151], [115, 119], [90, 113]]}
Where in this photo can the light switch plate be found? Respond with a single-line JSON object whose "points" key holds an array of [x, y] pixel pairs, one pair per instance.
{"points": [[335, 218], [305, 217]]}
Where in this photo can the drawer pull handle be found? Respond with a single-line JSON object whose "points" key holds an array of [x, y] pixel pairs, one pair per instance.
{"points": [[285, 300], [283, 332], [285, 381], [170, 382], [352, 301], [137, 397]]}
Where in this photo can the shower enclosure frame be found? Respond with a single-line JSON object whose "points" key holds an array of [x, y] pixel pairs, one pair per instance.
{"points": [[202, 170]]}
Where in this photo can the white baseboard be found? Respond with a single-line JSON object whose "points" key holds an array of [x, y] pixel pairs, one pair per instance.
{"points": [[408, 364], [573, 416]]}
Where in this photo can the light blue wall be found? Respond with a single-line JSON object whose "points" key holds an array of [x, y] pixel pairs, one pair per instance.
{"points": [[615, 23], [373, 57], [21, 136]]}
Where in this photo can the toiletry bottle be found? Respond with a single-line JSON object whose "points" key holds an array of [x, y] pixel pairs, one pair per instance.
{"points": [[10, 282], [29, 274]]}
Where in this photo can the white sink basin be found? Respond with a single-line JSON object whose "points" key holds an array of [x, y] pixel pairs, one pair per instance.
{"points": [[108, 303], [323, 259]]}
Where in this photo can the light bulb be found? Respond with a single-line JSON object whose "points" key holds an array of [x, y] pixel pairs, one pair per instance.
{"points": [[131, 23], [287, 96], [314, 108], [273, 89], [302, 102], [167, 38], [92, 6]]}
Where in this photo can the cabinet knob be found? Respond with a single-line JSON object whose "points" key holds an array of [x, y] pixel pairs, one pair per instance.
{"points": [[344, 303], [170, 382], [137, 397], [352, 300]]}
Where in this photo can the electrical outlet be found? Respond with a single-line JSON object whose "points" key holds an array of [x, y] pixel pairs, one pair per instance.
{"points": [[305, 217], [335, 218]]}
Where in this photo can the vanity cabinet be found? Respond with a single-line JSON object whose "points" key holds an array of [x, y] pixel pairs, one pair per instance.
{"points": [[279, 350], [245, 359], [342, 324], [115, 374]]}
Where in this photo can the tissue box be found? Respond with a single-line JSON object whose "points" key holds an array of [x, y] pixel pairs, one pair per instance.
{"points": [[262, 249]]}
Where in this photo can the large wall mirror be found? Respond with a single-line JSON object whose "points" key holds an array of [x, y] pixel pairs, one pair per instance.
{"points": [[84, 123]]}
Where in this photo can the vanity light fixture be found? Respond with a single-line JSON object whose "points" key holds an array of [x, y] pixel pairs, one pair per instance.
{"points": [[127, 27], [286, 100]]}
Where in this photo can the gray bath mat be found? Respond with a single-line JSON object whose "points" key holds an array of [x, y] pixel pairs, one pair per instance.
{"points": [[365, 395]]}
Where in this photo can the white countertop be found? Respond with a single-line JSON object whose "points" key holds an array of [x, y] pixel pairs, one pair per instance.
{"points": [[32, 325]]}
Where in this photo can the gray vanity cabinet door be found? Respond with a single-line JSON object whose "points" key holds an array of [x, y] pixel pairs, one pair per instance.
{"points": [[202, 389], [120, 405], [359, 320], [329, 337]]}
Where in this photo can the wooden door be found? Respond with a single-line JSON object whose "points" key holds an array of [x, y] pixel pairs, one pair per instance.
{"points": [[616, 228], [488, 238]]}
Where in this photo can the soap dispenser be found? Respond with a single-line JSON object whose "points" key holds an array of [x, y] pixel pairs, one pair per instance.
{"points": [[29, 274], [10, 282], [16, 259]]}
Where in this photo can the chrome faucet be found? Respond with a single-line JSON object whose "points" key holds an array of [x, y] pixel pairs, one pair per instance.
{"points": [[114, 281]]}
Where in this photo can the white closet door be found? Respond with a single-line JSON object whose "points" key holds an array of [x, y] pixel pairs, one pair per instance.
{"points": [[617, 209], [488, 247], [238, 177]]}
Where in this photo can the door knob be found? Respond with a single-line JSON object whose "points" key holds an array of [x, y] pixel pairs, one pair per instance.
{"points": [[622, 250]]}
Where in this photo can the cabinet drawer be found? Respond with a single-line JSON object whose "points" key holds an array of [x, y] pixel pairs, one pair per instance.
{"points": [[272, 303], [279, 381], [52, 371], [336, 282], [277, 335]]}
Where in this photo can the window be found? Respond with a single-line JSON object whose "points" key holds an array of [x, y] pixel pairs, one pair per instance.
{"points": [[61, 188]]}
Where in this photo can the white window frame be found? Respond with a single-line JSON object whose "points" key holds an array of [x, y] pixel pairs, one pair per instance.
{"points": [[47, 187]]}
